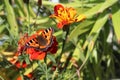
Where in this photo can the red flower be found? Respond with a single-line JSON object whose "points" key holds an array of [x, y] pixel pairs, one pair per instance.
{"points": [[66, 16], [35, 54], [21, 65]]}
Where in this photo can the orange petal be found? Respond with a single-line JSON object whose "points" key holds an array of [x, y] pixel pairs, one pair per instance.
{"points": [[71, 12], [37, 55], [41, 56]]}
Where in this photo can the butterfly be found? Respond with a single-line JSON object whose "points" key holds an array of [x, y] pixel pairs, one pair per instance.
{"points": [[42, 40]]}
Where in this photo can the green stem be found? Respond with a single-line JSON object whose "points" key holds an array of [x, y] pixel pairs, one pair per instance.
{"points": [[66, 29], [28, 18], [46, 73], [54, 74], [45, 59]]}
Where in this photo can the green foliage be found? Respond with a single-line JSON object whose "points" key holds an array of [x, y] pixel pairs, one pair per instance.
{"points": [[90, 51]]}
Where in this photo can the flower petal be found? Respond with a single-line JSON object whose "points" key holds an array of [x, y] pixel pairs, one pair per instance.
{"points": [[80, 18], [71, 12], [60, 25], [66, 16], [58, 7], [18, 64], [37, 56]]}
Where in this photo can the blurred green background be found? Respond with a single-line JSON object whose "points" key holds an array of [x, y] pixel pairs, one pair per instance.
{"points": [[94, 43]]}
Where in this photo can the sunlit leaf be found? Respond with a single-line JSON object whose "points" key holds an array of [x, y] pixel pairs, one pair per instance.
{"points": [[93, 10], [78, 53], [11, 18], [80, 29], [2, 28], [107, 4], [95, 30], [116, 23], [21, 8], [51, 58]]}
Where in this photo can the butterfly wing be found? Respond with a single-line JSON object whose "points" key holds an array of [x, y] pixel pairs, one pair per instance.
{"points": [[42, 40], [45, 39]]}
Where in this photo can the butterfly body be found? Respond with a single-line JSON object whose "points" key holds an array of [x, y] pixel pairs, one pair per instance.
{"points": [[42, 40]]}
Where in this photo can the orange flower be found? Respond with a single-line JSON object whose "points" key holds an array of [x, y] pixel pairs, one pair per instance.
{"points": [[66, 16], [35, 54]]}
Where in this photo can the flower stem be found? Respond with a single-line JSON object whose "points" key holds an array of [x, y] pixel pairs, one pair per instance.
{"points": [[66, 30]]}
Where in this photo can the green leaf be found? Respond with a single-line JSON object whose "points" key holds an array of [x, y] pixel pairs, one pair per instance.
{"points": [[107, 4], [11, 18], [80, 29], [78, 53], [31, 68], [51, 58], [93, 10], [21, 7], [1, 7], [58, 33], [2, 28], [95, 31], [100, 7], [116, 23]]}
